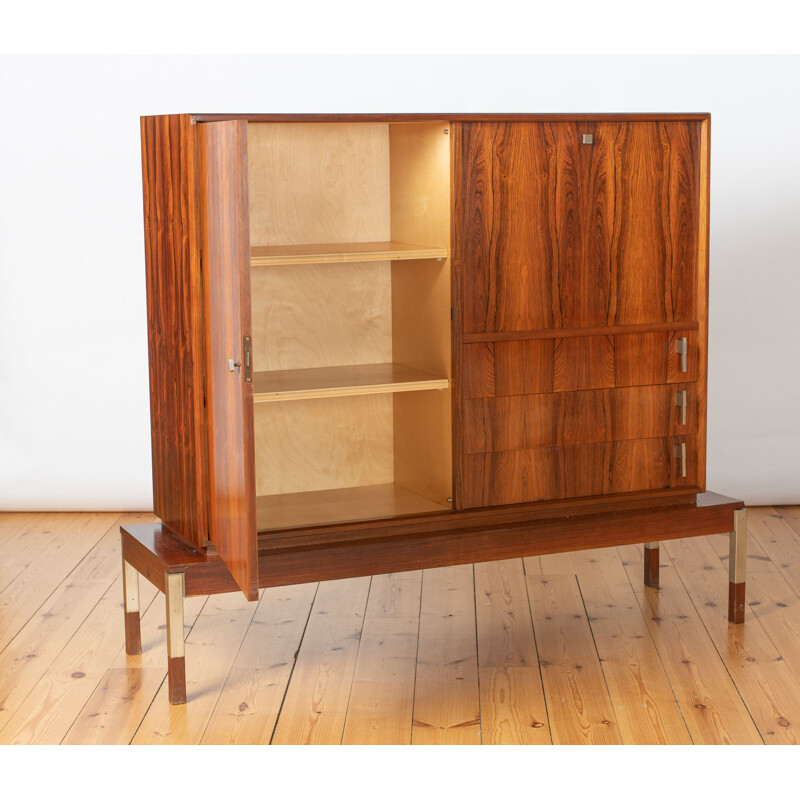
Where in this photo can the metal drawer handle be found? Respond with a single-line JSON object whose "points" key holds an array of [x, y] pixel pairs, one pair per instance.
{"points": [[682, 346], [681, 401], [680, 454]]}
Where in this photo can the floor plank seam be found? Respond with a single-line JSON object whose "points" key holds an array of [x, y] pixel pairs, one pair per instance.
{"points": [[355, 661], [416, 662], [294, 664], [61, 582], [68, 641], [599, 659], [714, 645], [100, 679], [477, 653], [655, 645], [538, 655], [224, 681]]}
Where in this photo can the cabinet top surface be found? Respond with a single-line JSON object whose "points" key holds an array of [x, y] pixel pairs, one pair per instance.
{"points": [[455, 117]]}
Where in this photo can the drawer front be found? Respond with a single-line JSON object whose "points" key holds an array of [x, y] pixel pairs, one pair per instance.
{"points": [[522, 422], [581, 470], [534, 366]]}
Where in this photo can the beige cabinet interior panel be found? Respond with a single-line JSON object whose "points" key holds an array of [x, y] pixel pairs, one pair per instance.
{"points": [[318, 182], [420, 211], [321, 315], [330, 443]]}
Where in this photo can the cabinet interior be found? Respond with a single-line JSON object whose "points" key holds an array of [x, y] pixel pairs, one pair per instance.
{"points": [[350, 286]]}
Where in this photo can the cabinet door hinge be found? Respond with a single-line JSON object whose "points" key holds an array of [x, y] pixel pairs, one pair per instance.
{"points": [[248, 359]]}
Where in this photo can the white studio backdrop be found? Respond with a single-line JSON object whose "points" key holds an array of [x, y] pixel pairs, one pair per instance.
{"points": [[74, 409]]}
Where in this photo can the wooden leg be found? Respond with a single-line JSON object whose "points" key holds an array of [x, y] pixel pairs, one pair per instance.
{"points": [[738, 552], [176, 661], [130, 592], [651, 564]]}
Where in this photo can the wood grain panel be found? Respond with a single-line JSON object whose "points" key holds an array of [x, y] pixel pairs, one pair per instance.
{"points": [[301, 509], [315, 704], [545, 473], [251, 700], [656, 222], [583, 363], [175, 325], [321, 315], [579, 707], [524, 367], [557, 233], [564, 418], [446, 692], [226, 284], [318, 183], [278, 255], [507, 256], [513, 709], [312, 445], [637, 683], [381, 703], [533, 366], [299, 384], [641, 358]]}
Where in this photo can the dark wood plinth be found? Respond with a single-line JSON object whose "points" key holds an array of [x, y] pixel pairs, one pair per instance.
{"points": [[736, 602], [651, 566], [177, 680], [133, 633]]}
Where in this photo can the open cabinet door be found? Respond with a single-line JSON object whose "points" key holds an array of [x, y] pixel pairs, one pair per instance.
{"points": [[229, 392]]}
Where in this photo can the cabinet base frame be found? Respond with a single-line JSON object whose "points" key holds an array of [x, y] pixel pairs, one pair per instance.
{"points": [[178, 569]]}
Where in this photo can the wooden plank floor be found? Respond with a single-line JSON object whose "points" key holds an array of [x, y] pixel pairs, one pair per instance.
{"points": [[561, 649]]}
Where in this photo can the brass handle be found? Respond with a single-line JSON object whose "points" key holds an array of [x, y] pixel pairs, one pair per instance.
{"points": [[680, 454], [681, 401], [682, 346]]}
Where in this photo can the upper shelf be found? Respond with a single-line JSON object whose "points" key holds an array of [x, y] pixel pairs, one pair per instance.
{"points": [[299, 384], [340, 253]]}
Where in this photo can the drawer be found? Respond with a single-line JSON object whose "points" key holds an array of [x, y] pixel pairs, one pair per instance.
{"points": [[521, 422], [582, 470], [534, 366]]}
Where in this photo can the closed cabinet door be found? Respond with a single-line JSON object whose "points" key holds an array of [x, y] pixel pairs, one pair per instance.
{"points": [[577, 251]]}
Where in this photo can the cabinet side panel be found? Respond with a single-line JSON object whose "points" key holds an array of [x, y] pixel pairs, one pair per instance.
{"points": [[175, 325], [702, 298]]}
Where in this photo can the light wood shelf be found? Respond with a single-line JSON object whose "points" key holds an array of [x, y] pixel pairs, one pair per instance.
{"points": [[277, 255], [299, 509], [358, 379]]}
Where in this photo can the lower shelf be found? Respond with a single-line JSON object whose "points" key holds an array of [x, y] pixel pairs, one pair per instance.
{"points": [[299, 509]]}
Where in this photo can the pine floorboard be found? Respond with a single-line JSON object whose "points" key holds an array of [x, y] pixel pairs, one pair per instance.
{"points": [[562, 649]]}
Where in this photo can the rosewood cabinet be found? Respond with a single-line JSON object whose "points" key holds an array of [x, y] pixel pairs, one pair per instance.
{"points": [[389, 342]]}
